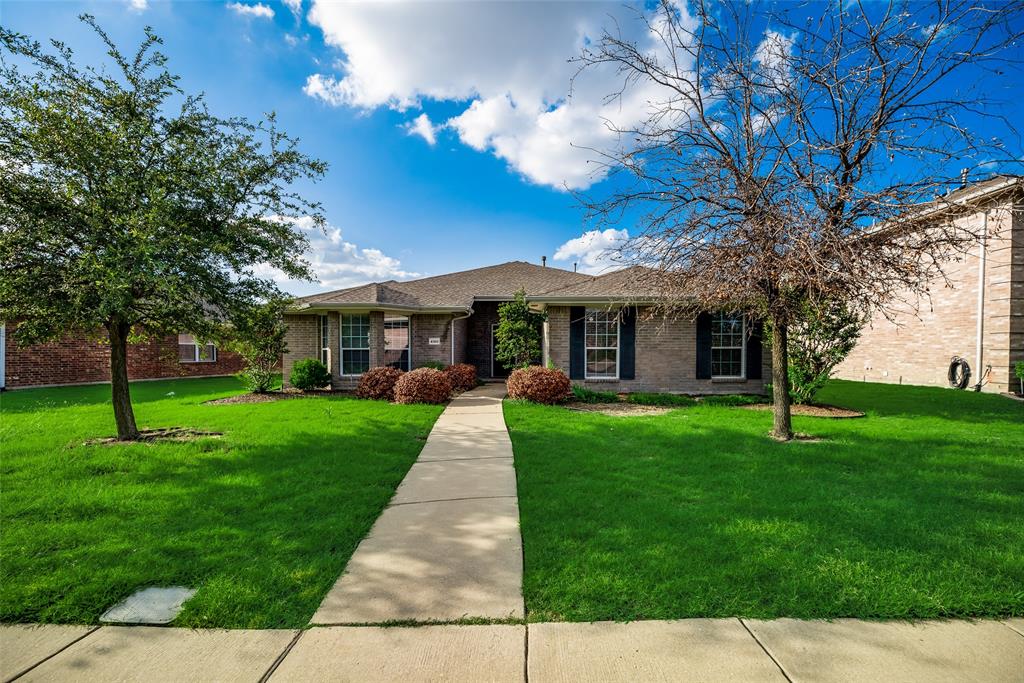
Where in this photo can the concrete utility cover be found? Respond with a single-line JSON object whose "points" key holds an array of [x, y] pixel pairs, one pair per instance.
{"points": [[149, 606]]}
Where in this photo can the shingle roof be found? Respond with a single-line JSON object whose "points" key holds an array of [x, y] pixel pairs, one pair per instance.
{"points": [[453, 290], [627, 284]]}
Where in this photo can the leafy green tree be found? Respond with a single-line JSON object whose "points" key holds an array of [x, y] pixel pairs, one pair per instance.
{"points": [[257, 334], [518, 333], [127, 207], [818, 340]]}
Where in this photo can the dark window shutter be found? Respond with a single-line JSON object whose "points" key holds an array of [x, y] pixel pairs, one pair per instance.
{"points": [[627, 343], [704, 346], [577, 342], [754, 349]]}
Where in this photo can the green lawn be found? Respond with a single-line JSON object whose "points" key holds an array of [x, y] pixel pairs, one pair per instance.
{"points": [[261, 521], [916, 510]]}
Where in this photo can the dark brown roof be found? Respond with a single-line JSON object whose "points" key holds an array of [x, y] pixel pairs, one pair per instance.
{"points": [[454, 290]]}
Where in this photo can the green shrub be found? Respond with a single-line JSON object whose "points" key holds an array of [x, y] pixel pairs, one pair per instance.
{"points": [[1018, 369], [668, 400], [518, 333], [257, 334], [432, 364], [585, 395], [309, 374], [734, 399]]}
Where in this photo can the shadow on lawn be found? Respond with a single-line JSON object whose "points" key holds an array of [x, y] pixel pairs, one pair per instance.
{"points": [[261, 522]]}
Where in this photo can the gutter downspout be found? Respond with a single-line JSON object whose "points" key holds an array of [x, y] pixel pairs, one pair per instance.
{"points": [[980, 333], [451, 326]]}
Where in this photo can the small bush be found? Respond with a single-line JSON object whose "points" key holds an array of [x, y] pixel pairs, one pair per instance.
{"points": [[378, 383], [257, 380], [733, 400], [540, 385], [667, 400], [432, 364], [585, 395], [462, 375], [423, 385], [309, 374]]}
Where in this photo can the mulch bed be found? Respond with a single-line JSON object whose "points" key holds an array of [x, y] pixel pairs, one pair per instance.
{"points": [[272, 396], [817, 410], [618, 409], [164, 434]]}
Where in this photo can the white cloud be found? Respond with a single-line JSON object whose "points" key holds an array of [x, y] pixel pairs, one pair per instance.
{"points": [[338, 263], [594, 250], [258, 10], [138, 5], [508, 61], [422, 126], [295, 6]]}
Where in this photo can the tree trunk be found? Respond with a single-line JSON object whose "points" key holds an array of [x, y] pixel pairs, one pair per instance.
{"points": [[119, 389], [782, 428]]}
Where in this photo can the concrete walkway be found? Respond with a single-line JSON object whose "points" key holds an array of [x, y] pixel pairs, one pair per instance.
{"points": [[447, 547], [846, 650]]}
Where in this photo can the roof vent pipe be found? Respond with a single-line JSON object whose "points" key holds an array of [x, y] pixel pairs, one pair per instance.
{"points": [[544, 261], [574, 266]]}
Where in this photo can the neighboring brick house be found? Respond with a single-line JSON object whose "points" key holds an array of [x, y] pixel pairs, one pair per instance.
{"points": [[77, 359], [591, 333], [979, 317]]}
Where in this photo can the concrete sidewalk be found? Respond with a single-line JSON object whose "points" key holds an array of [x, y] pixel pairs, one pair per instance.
{"points": [[447, 547], [685, 650]]}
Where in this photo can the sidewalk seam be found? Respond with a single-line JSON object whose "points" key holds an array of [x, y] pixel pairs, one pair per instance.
{"points": [[51, 656], [782, 670], [280, 658], [447, 500], [1019, 633]]}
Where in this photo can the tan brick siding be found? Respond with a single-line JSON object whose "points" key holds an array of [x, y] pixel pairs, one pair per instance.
{"points": [[916, 348], [666, 358]]}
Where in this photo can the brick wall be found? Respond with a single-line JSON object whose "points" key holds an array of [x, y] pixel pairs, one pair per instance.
{"points": [[917, 347], [424, 327], [666, 358], [478, 342], [79, 359]]}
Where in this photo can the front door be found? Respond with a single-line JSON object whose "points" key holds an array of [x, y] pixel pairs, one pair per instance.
{"points": [[498, 369]]}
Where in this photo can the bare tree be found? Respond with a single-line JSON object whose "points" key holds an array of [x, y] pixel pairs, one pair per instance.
{"points": [[788, 160]]}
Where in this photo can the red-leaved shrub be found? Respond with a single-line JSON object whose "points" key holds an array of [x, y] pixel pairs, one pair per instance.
{"points": [[462, 375], [378, 383], [423, 385], [539, 384]]}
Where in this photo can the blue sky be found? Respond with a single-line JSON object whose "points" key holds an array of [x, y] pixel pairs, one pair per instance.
{"points": [[446, 125]]}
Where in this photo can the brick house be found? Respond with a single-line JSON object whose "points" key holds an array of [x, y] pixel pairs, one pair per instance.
{"points": [[978, 317], [79, 359], [590, 333]]}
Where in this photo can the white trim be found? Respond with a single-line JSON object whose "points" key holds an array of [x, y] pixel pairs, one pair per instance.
{"points": [[742, 347], [196, 356], [342, 349], [618, 345]]}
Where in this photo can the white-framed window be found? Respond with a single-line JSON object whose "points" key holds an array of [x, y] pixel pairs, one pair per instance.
{"points": [[396, 341], [325, 340], [602, 341], [355, 344], [728, 346], [190, 351]]}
